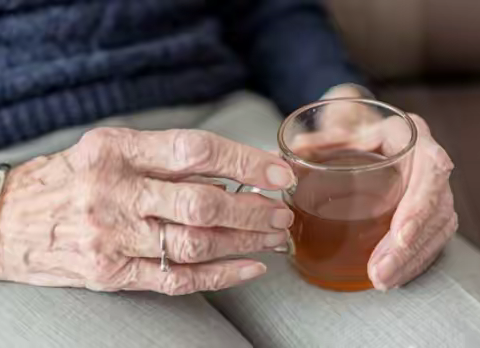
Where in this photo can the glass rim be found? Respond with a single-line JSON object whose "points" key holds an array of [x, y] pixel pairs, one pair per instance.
{"points": [[361, 167]]}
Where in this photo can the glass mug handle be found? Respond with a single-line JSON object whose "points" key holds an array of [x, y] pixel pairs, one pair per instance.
{"points": [[289, 248]]}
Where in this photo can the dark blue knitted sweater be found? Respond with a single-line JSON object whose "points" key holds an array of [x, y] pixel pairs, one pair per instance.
{"points": [[69, 62]]}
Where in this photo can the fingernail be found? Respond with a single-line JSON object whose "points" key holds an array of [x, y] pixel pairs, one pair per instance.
{"points": [[279, 176], [380, 287], [252, 271], [384, 271], [406, 235], [377, 284], [273, 240], [282, 219]]}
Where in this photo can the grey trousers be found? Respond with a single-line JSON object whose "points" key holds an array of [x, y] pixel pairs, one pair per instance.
{"points": [[439, 309]]}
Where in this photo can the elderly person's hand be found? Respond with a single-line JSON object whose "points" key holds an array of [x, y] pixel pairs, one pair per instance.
{"points": [[91, 216], [425, 218]]}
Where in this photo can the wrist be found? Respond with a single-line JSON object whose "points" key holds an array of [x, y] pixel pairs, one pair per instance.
{"points": [[4, 177], [22, 192]]}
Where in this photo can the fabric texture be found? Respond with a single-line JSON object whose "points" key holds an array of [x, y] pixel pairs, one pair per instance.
{"points": [[280, 310], [440, 309], [66, 63], [57, 318]]}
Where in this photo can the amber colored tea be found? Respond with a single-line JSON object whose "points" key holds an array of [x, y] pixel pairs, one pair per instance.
{"points": [[340, 217]]}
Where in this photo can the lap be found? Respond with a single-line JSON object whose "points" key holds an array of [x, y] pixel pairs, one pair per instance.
{"points": [[49, 318]]}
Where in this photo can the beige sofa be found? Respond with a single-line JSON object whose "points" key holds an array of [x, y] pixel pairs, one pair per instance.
{"points": [[425, 57]]}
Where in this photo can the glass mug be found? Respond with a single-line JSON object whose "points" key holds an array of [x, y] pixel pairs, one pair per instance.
{"points": [[350, 177]]}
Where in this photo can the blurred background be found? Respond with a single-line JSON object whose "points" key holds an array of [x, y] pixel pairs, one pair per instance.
{"points": [[424, 57]]}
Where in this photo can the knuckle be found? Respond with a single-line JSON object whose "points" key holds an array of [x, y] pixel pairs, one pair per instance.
{"points": [[179, 283], [192, 149], [436, 156], [193, 247], [441, 159], [242, 164], [197, 205], [414, 248], [100, 142], [131, 273], [247, 242], [216, 281], [97, 137], [112, 274], [420, 263], [446, 162]]}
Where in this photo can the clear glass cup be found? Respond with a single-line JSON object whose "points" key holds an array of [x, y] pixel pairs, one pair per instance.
{"points": [[352, 159]]}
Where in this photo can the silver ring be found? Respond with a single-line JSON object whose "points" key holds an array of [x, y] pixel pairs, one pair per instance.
{"points": [[164, 264]]}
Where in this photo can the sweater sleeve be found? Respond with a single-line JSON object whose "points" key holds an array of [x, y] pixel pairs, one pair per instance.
{"points": [[290, 48]]}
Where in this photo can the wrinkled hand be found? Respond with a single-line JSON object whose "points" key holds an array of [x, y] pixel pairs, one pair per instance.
{"points": [[425, 218], [91, 216]]}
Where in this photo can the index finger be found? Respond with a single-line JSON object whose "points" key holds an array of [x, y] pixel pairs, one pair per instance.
{"points": [[195, 152]]}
